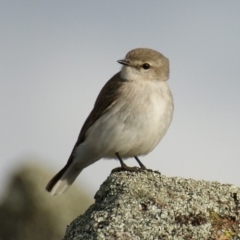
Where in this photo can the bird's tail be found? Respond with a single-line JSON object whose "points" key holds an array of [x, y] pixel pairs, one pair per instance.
{"points": [[63, 179]]}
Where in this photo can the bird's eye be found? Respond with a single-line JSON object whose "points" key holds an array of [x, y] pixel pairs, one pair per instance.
{"points": [[146, 66]]}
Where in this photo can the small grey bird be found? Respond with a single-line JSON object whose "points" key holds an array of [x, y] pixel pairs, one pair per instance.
{"points": [[130, 116]]}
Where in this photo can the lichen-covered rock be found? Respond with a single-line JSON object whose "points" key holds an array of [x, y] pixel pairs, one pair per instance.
{"points": [[147, 205]]}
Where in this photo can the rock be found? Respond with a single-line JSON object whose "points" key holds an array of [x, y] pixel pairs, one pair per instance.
{"points": [[147, 205]]}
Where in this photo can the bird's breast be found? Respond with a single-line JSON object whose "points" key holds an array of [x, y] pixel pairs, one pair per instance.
{"points": [[138, 120]]}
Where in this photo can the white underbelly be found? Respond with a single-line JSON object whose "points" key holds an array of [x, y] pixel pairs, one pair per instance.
{"points": [[132, 129]]}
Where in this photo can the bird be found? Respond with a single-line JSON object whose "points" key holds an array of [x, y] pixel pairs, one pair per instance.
{"points": [[130, 116]]}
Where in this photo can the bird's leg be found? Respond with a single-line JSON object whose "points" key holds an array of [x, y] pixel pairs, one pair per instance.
{"points": [[143, 167], [140, 163], [124, 167]]}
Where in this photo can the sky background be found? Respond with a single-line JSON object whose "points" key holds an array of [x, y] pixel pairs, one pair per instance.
{"points": [[55, 56]]}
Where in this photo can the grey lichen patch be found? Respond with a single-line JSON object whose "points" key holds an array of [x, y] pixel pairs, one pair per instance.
{"points": [[146, 205]]}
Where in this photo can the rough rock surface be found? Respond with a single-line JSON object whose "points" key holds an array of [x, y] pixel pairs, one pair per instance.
{"points": [[147, 205]]}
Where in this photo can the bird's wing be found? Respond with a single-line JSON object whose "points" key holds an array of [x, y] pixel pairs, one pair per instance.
{"points": [[105, 101]]}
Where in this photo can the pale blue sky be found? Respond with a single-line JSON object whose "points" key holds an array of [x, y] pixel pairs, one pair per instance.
{"points": [[56, 55]]}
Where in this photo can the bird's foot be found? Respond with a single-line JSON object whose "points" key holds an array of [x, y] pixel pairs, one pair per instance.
{"points": [[124, 167], [127, 168], [133, 169], [154, 171]]}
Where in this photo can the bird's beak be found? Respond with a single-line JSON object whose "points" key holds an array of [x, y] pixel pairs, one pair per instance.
{"points": [[124, 62]]}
